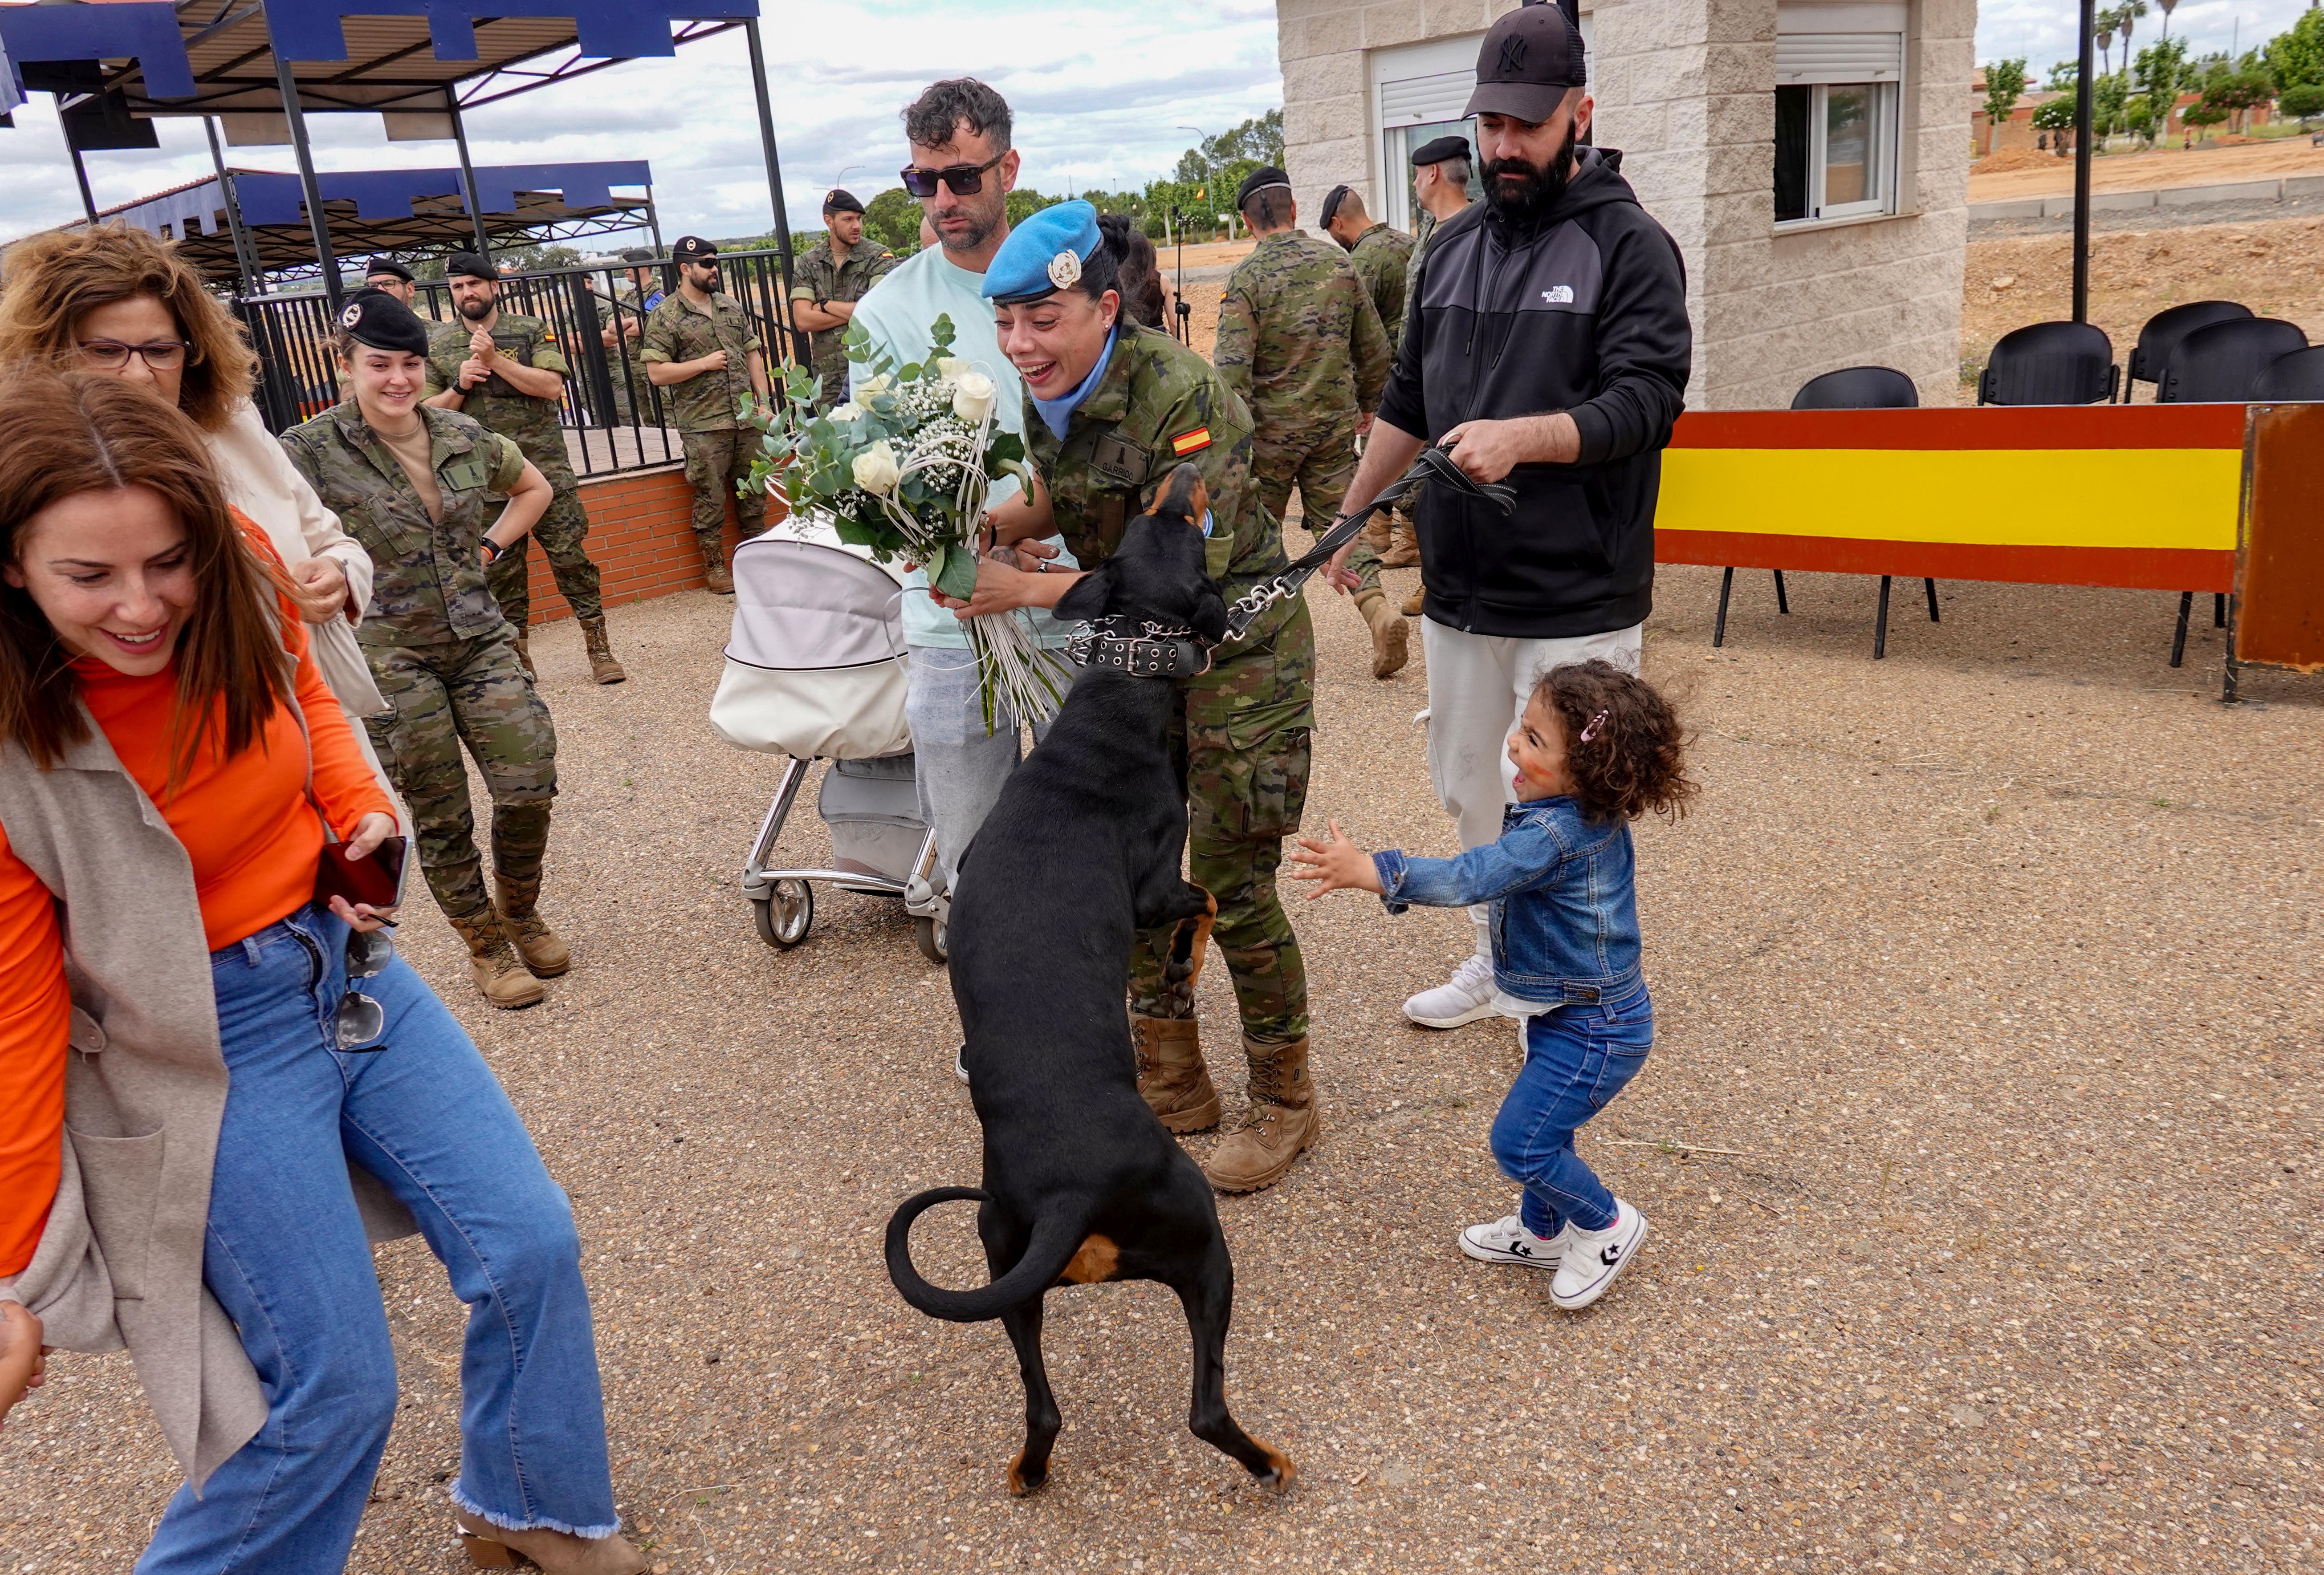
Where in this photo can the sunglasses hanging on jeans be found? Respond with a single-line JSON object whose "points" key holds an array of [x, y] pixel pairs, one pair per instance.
{"points": [[361, 1019], [965, 180]]}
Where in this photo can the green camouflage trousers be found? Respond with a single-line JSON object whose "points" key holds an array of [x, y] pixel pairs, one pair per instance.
{"points": [[472, 691], [1321, 463], [1246, 785], [716, 464], [560, 532]]}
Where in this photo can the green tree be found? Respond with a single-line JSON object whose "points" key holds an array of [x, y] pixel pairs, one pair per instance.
{"points": [[2295, 57], [2202, 115], [2304, 101], [2064, 75], [2055, 115], [1024, 203], [2109, 95], [892, 218], [2162, 71], [2004, 85], [2238, 92]]}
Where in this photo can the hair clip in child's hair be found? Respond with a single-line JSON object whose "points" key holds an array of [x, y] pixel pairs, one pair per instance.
{"points": [[1596, 723]]}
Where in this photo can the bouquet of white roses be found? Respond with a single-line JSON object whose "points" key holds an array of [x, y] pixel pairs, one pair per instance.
{"points": [[902, 468]]}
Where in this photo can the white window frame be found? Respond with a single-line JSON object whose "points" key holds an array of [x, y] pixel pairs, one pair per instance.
{"points": [[1883, 154], [1822, 44], [1447, 67]]}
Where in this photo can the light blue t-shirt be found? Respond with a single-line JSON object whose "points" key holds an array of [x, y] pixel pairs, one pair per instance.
{"points": [[899, 313]]}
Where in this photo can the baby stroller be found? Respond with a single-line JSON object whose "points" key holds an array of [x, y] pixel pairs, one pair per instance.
{"points": [[816, 670]]}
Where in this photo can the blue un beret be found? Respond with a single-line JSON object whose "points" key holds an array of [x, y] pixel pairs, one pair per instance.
{"points": [[1044, 254]]}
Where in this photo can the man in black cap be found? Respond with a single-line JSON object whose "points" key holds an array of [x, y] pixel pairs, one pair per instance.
{"points": [[507, 373], [1301, 342], [634, 295], [827, 282], [1441, 171], [1547, 345], [392, 278], [702, 351]]}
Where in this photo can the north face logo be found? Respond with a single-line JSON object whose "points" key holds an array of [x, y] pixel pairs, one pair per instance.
{"points": [[1559, 295], [1513, 55]]}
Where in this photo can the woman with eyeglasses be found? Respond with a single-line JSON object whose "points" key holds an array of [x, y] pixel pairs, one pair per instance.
{"points": [[215, 1089], [114, 300]]}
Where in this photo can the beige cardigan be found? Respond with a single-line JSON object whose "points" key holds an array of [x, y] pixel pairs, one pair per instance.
{"points": [[120, 1260]]}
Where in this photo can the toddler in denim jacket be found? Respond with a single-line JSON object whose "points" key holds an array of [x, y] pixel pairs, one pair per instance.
{"points": [[1596, 749]]}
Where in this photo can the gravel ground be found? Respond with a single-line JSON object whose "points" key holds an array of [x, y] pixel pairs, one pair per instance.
{"points": [[1979, 1144]]}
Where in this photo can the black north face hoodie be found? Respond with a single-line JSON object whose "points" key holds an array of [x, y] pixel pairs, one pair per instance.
{"points": [[1583, 312]]}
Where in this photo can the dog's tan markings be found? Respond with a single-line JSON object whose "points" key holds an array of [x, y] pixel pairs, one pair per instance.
{"points": [[1017, 1483], [1184, 493], [1285, 1472], [1094, 1263]]}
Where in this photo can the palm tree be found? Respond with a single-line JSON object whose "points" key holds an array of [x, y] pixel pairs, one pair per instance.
{"points": [[2168, 7], [2106, 44], [2128, 12]]}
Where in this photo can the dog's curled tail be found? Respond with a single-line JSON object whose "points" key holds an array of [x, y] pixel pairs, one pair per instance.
{"points": [[1055, 1242]]}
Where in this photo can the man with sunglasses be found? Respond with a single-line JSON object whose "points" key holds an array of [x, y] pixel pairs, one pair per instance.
{"points": [[700, 347], [962, 170]]}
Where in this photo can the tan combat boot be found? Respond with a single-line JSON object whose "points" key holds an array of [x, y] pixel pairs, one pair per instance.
{"points": [[1374, 534], [1282, 1120], [1403, 545], [717, 578], [1171, 1075], [493, 963], [603, 667], [1391, 638], [545, 955], [1415, 603], [556, 1552], [524, 655]]}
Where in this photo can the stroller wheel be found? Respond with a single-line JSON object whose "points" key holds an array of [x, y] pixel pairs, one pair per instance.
{"points": [[785, 916], [934, 937]]}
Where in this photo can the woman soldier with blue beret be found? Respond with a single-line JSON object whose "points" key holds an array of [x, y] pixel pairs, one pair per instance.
{"points": [[1112, 407]]}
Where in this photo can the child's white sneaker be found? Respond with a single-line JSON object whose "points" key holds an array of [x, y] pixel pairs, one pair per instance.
{"points": [[1506, 1241], [1466, 997], [1594, 1257]]}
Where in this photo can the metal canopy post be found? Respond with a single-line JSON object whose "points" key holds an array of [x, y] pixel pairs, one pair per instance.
{"points": [[467, 175], [774, 178], [308, 188], [80, 174], [2082, 151], [244, 255], [653, 219]]}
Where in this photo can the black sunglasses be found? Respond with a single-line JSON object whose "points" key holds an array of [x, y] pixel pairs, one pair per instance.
{"points": [[965, 180], [361, 1019]]}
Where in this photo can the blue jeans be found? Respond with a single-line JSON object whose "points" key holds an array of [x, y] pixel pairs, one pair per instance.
{"points": [[287, 1258], [960, 769], [1577, 1059]]}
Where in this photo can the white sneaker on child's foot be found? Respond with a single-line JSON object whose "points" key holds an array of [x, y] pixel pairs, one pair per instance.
{"points": [[1506, 1241], [1594, 1257], [1467, 996]]}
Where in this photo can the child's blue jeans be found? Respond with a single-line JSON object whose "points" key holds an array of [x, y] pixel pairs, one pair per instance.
{"points": [[1577, 1059]]}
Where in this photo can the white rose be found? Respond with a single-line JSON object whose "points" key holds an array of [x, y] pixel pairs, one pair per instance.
{"points": [[972, 397], [879, 383], [876, 470], [847, 412], [953, 367]]}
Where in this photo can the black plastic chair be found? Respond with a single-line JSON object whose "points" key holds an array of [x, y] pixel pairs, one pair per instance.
{"points": [[2221, 364], [2050, 363], [1851, 388], [2162, 332], [2296, 377]]}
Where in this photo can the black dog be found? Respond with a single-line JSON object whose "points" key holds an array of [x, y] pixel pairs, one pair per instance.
{"points": [[1082, 853]]}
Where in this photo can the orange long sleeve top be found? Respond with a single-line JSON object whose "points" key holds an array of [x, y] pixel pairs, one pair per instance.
{"points": [[253, 840]]}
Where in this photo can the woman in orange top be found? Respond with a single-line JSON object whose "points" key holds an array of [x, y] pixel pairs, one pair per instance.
{"points": [[170, 759]]}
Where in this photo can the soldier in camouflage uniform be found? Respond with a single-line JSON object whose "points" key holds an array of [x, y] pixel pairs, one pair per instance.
{"points": [[701, 351], [1300, 341], [506, 373], [417, 487], [1242, 728], [1379, 255], [828, 281], [1441, 168]]}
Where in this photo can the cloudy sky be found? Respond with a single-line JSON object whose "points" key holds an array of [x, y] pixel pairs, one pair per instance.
{"points": [[1103, 95]]}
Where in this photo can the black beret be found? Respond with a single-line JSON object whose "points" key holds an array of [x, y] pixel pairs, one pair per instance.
{"points": [[1331, 200], [842, 202], [1259, 180], [692, 249], [376, 318], [389, 266], [468, 265], [638, 255], [1442, 149]]}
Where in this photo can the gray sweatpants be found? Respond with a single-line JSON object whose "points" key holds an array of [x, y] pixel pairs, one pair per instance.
{"points": [[959, 768]]}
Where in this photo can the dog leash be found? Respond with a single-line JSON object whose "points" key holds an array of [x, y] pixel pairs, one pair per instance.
{"points": [[1155, 650]]}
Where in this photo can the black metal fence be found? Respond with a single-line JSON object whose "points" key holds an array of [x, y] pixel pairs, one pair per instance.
{"points": [[614, 419]]}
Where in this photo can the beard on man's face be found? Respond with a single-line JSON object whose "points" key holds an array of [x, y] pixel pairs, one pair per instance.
{"points": [[1517, 190], [477, 307]]}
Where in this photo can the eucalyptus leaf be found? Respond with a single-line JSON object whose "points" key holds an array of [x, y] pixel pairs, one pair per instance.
{"points": [[957, 577]]}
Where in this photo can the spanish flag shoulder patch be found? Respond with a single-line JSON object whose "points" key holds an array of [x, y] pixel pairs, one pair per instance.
{"points": [[1193, 442]]}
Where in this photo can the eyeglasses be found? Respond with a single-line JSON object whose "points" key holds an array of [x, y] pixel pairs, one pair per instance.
{"points": [[361, 1019], [112, 354], [965, 180]]}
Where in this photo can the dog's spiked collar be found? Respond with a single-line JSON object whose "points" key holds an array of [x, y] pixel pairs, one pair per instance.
{"points": [[1142, 650]]}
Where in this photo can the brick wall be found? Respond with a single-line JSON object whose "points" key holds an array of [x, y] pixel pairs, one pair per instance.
{"points": [[640, 538]]}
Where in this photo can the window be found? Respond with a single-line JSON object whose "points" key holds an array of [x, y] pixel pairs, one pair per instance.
{"points": [[1839, 75]]}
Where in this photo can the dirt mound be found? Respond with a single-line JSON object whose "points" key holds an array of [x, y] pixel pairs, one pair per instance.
{"points": [[2008, 159]]}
